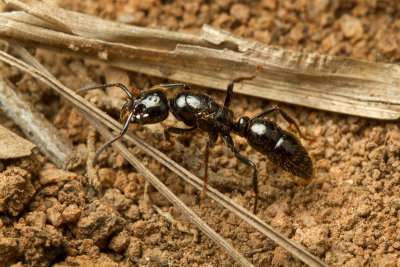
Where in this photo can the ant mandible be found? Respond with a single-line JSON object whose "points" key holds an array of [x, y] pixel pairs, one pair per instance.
{"points": [[199, 110]]}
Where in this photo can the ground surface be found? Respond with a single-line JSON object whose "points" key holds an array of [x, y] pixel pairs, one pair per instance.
{"points": [[348, 215]]}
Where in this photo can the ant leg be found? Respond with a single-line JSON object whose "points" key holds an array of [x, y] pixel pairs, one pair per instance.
{"points": [[102, 86], [109, 142], [175, 130], [211, 139], [229, 89], [274, 108], [229, 142], [293, 122], [290, 120]]}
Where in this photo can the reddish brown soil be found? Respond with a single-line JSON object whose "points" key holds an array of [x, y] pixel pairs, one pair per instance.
{"points": [[348, 215]]}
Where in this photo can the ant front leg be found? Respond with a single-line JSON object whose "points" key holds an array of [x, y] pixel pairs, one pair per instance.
{"points": [[211, 139], [172, 86], [121, 134], [229, 142], [286, 116], [229, 89], [175, 130]]}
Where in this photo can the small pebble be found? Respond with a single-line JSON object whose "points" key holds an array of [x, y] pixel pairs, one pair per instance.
{"points": [[224, 4], [119, 242], [240, 12], [107, 176], [396, 245], [395, 203], [133, 212], [376, 174], [134, 250], [315, 8], [364, 210], [55, 176], [317, 131], [263, 36], [329, 152], [54, 216], [154, 239], [351, 27], [297, 33], [126, 18], [308, 220], [269, 4], [71, 213]]}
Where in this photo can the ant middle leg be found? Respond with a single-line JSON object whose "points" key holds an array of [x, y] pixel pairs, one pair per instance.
{"points": [[290, 120], [175, 130], [211, 139], [229, 142]]}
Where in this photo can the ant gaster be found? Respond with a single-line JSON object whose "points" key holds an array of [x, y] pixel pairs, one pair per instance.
{"points": [[199, 110]]}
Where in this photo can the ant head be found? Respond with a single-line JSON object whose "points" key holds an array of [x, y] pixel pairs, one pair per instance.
{"points": [[146, 107]]}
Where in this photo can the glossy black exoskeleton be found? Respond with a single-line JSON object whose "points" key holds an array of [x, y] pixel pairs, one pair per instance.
{"points": [[199, 110]]}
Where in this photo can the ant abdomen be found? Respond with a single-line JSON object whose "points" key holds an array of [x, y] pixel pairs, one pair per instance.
{"points": [[281, 147]]}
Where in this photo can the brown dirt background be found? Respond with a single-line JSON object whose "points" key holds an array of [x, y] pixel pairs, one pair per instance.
{"points": [[348, 215]]}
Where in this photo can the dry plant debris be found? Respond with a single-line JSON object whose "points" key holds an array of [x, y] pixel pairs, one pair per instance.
{"points": [[362, 88], [12, 146], [348, 216], [35, 127]]}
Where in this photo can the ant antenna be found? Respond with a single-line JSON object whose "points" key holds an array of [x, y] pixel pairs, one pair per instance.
{"points": [[102, 86]]}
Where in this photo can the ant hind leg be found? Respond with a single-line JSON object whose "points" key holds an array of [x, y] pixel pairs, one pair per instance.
{"points": [[290, 120], [211, 139]]}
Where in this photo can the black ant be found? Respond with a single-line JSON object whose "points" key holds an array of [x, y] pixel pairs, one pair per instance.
{"points": [[199, 110]]}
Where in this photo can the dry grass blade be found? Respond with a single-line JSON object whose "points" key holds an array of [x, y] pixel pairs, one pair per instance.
{"points": [[297, 250], [36, 127], [207, 230], [79, 24], [86, 109], [356, 87]]}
